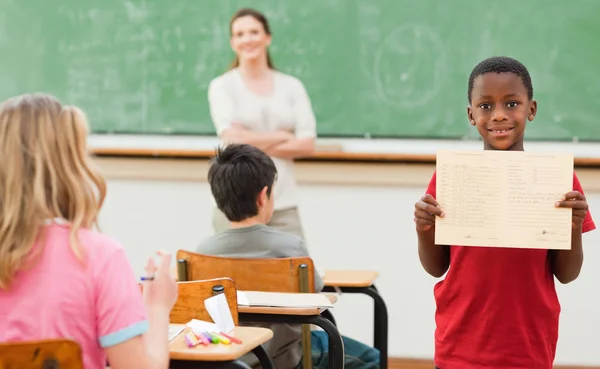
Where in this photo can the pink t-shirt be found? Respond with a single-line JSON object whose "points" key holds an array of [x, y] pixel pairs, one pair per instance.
{"points": [[98, 304]]}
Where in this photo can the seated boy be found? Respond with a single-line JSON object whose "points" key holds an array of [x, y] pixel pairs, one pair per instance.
{"points": [[241, 179]]}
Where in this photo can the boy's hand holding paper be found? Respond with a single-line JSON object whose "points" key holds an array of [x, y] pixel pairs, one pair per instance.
{"points": [[576, 201]]}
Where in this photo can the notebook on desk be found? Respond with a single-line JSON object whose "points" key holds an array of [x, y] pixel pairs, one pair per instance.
{"points": [[282, 299]]}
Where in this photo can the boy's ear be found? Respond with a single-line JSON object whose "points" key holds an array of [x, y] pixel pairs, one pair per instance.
{"points": [[470, 115], [263, 197], [532, 110]]}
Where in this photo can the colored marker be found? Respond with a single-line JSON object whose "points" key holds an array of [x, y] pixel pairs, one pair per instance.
{"points": [[207, 336], [191, 340], [233, 339], [215, 339], [147, 279], [222, 339], [202, 338]]}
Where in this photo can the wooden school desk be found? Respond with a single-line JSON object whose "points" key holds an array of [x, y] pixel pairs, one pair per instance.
{"points": [[363, 281], [311, 315], [219, 355]]}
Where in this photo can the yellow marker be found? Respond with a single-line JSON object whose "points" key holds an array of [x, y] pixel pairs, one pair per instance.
{"points": [[223, 340]]}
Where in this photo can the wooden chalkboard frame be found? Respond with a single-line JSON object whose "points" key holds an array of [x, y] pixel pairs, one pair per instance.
{"points": [[318, 156], [586, 155]]}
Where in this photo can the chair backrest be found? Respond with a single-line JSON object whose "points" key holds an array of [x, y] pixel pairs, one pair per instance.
{"points": [[43, 354], [249, 274], [190, 300]]}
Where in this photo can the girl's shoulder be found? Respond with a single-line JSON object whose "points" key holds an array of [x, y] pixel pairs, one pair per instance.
{"points": [[92, 242]]}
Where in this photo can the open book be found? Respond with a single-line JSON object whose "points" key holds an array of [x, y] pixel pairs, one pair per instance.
{"points": [[282, 299]]}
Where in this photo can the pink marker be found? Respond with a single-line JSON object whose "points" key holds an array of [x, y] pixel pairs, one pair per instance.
{"points": [[191, 340], [202, 338]]}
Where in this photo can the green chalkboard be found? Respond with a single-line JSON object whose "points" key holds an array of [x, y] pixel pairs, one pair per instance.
{"points": [[393, 68]]}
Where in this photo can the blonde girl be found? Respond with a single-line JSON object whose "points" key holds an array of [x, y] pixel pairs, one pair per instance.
{"points": [[59, 278]]}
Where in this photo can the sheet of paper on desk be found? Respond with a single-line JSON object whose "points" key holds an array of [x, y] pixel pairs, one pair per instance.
{"points": [[174, 330], [281, 299], [202, 326], [503, 199], [219, 311]]}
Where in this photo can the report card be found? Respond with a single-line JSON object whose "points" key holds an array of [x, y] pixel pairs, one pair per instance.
{"points": [[503, 199]]}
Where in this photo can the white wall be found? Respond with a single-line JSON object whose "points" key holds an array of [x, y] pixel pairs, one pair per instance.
{"points": [[352, 226]]}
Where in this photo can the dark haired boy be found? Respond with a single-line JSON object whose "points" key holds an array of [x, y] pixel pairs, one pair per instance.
{"points": [[241, 180]]}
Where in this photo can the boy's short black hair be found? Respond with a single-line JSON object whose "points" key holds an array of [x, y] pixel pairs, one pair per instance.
{"points": [[237, 175], [501, 64]]}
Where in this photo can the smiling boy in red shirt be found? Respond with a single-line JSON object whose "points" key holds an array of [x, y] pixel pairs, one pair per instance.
{"points": [[498, 307]]}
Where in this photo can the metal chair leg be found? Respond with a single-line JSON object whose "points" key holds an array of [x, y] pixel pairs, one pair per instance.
{"points": [[327, 314], [380, 319], [263, 357], [336, 345]]}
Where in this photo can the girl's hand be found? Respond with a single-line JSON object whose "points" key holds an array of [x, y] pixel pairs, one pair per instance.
{"points": [[161, 292]]}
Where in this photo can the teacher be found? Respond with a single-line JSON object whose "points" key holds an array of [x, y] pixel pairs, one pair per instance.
{"points": [[255, 104]]}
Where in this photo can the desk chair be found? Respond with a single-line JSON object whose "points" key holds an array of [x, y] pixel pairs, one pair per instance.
{"points": [[363, 282], [190, 305], [294, 275], [43, 354], [191, 296]]}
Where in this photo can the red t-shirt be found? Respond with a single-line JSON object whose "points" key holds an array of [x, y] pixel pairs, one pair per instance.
{"points": [[497, 307]]}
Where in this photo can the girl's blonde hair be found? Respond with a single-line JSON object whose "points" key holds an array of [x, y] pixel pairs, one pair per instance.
{"points": [[45, 173]]}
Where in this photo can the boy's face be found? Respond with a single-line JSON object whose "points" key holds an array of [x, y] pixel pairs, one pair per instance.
{"points": [[500, 109]]}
